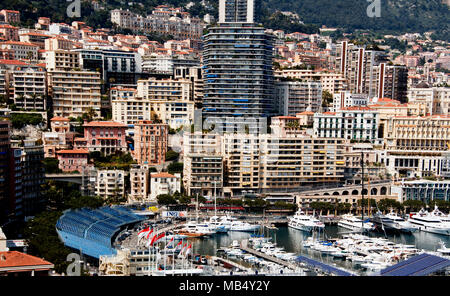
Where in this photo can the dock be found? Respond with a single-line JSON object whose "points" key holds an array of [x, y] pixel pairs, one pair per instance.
{"points": [[229, 262], [245, 248]]}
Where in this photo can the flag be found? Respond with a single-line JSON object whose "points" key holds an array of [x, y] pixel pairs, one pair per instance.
{"points": [[188, 251], [143, 232], [169, 243], [178, 245], [182, 249], [153, 240], [160, 237], [148, 234]]}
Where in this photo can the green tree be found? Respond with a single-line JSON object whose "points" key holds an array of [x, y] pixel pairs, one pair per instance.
{"points": [[413, 205], [166, 199], [172, 155], [175, 167]]}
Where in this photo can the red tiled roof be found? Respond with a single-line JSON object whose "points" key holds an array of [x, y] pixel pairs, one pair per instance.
{"points": [[162, 175], [74, 151], [59, 118], [305, 113], [286, 117], [15, 259], [13, 62], [105, 123], [19, 43]]}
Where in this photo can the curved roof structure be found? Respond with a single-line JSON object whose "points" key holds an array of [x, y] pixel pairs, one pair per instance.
{"points": [[91, 231]]}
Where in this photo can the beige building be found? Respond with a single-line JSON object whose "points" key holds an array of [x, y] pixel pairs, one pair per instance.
{"points": [[28, 88], [74, 92], [22, 50], [331, 82], [139, 183], [110, 183], [62, 60], [437, 99], [170, 101]]}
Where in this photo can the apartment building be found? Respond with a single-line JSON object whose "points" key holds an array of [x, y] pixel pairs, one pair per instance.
{"points": [[9, 32], [331, 82], [164, 183], [62, 60], [437, 99], [53, 142], [345, 99], [58, 43], [351, 123], [416, 146], [28, 88], [170, 101], [269, 163], [150, 142], [203, 174], [110, 184], [72, 160], [295, 97], [74, 92], [22, 50], [283, 126], [10, 16], [139, 183], [196, 77], [166, 63]]}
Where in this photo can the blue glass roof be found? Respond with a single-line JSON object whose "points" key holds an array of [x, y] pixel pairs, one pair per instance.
{"points": [[323, 266], [91, 231], [420, 265]]}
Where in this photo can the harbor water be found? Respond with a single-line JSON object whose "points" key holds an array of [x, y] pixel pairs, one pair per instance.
{"points": [[291, 239]]}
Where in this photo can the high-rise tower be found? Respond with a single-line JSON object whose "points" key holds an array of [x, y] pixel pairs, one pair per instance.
{"points": [[237, 56]]}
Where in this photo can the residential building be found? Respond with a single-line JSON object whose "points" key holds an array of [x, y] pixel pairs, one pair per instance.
{"points": [[9, 32], [53, 142], [239, 82], [166, 64], [72, 160], [108, 137], [437, 99], [60, 124], [164, 183], [14, 263], [5, 170], [74, 92], [345, 99], [331, 82], [28, 88], [351, 123], [110, 184], [10, 16], [62, 60], [22, 50], [283, 126], [203, 174], [139, 183], [150, 142], [295, 97], [236, 11], [195, 76]]}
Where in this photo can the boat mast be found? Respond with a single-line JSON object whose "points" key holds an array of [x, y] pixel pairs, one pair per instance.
{"points": [[215, 197], [196, 208]]}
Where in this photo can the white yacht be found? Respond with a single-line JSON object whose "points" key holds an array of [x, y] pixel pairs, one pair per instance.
{"points": [[351, 222], [305, 222], [432, 223], [203, 228], [236, 225], [392, 222], [443, 250], [219, 225]]}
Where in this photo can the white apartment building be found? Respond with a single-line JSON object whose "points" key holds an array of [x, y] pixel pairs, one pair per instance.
{"points": [[22, 50], [164, 183], [28, 88], [436, 98], [351, 123], [295, 97], [110, 183], [74, 92], [345, 99]]}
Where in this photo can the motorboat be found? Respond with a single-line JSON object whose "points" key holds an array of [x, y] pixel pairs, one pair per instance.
{"points": [[354, 223], [305, 222], [199, 228], [392, 222], [219, 225], [236, 225], [427, 222], [443, 250]]}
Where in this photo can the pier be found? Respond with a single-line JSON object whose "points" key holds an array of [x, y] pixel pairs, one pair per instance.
{"points": [[231, 263], [267, 257]]}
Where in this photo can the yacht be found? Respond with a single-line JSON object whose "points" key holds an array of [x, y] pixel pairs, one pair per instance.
{"points": [[443, 250], [444, 218], [235, 225], [218, 224], [432, 223], [199, 228], [354, 223], [392, 222], [305, 222]]}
